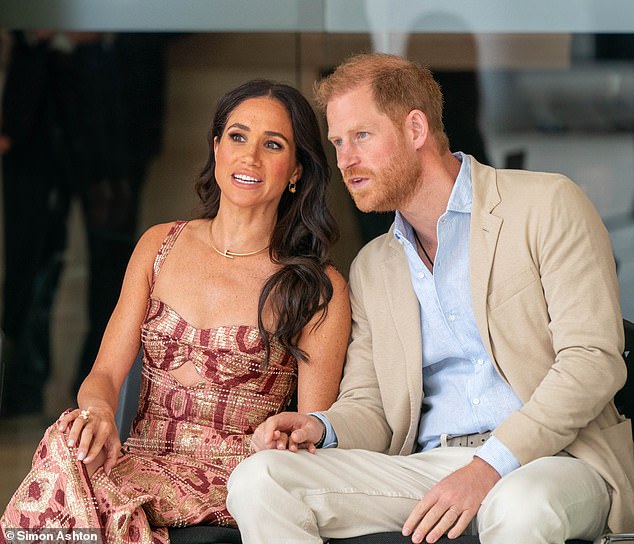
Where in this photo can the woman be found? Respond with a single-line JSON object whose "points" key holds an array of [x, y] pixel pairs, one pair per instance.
{"points": [[235, 311]]}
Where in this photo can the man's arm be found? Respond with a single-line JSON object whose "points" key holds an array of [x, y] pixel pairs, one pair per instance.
{"points": [[358, 416], [583, 328]]}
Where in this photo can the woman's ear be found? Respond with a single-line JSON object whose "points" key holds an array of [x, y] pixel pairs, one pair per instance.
{"points": [[215, 144], [297, 173]]}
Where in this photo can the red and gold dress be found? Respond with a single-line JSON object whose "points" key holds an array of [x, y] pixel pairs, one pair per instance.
{"points": [[185, 440]]}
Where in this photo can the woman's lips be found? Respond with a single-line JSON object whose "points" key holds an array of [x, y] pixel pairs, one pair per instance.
{"points": [[246, 179]]}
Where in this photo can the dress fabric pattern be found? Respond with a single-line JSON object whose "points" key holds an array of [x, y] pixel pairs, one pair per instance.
{"points": [[184, 441]]}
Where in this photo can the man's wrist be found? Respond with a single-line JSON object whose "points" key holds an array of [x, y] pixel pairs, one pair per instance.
{"points": [[320, 442], [496, 454]]}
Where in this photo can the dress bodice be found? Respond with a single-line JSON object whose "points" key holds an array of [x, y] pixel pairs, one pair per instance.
{"points": [[236, 391]]}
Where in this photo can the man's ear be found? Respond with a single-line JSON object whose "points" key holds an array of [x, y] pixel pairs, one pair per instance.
{"points": [[417, 128]]}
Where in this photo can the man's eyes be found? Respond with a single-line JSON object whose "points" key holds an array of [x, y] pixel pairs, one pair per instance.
{"points": [[361, 135]]}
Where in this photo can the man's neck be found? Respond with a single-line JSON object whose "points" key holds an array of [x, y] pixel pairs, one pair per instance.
{"points": [[430, 200]]}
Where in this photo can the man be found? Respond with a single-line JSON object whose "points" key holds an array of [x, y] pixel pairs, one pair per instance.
{"points": [[485, 352]]}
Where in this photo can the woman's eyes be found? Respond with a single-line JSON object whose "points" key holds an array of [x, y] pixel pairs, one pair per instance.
{"points": [[273, 145], [237, 137], [240, 138]]}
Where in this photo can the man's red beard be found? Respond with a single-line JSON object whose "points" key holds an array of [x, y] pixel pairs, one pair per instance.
{"points": [[389, 188]]}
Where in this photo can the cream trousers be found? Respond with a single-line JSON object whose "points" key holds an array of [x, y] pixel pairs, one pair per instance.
{"points": [[292, 498]]}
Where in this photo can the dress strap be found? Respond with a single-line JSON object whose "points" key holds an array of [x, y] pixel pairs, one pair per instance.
{"points": [[165, 248]]}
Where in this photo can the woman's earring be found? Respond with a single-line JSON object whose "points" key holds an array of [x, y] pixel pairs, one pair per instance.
{"points": [[292, 186]]}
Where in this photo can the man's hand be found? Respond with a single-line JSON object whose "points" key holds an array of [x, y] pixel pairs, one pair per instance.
{"points": [[288, 430], [452, 503]]}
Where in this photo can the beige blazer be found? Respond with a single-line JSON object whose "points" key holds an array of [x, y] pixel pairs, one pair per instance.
{"points": [[545, 298]]}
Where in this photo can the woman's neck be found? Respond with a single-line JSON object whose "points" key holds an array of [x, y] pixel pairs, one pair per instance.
{"points": [[242, 232]]}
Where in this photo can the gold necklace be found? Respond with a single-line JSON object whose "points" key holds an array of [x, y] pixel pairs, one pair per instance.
{"points": [[228, 253]]}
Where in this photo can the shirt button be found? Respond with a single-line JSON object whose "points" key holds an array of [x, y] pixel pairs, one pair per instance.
{"points": [[480, 361], [476, 401], [421, 274], [451, 317]]}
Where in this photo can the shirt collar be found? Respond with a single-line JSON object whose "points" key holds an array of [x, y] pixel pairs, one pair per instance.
{"points": [[460, 198]]}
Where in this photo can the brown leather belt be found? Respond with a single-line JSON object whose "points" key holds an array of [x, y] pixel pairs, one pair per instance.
{"points": [[474, 440]]}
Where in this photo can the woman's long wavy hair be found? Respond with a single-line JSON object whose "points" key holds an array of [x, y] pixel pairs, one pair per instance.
{"points": [[305, 228]]}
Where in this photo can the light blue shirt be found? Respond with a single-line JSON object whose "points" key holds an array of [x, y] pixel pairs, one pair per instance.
{"points": [[463, 392]]}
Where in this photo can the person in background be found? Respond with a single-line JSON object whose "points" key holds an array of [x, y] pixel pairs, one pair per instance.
{"points": [[82, 117], [485, 353], [236, 312]]}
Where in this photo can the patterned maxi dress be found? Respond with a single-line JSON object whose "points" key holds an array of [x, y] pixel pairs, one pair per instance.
{"points": [[185, 440]]}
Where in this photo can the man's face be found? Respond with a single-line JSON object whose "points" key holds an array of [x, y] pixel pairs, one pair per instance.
{"points": [[379, 165]]}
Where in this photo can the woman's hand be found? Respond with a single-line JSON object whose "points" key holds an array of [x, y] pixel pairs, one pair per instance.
{"points": [[95, 434], [288, 431]]}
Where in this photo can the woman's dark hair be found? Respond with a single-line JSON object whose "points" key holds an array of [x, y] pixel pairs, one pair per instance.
{"points": [[305, 228]]}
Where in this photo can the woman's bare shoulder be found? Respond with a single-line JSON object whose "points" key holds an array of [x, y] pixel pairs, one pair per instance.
{"points": [[339, 283], [153, 237]]}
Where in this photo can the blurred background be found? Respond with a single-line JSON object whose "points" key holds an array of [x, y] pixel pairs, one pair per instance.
{"points": [[106, 107]]}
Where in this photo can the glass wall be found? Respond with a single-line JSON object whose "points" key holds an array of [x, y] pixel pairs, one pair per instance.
{"points": [[548, 88]]}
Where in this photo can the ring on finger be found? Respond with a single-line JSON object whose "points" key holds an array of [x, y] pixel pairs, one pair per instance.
{"points": [[84, 414]]}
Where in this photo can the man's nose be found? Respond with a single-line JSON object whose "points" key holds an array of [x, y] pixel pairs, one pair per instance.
{"points": [[346, 157]]}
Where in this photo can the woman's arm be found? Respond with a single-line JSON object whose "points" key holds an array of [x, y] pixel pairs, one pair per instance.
{"points": [[325, 344], [99, 393], [318, 379]]}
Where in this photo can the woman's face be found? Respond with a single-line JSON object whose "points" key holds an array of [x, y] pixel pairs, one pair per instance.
{"points": [[255, 156]]}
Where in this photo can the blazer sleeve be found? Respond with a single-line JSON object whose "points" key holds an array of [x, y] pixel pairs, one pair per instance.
{"points": [[565, 391], [358, 415]]}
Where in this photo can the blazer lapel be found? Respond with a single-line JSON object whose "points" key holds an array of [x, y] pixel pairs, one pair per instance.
{"points": [[405, 314], [485, 229]]}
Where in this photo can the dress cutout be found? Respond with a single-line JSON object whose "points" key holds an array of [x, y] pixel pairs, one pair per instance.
{"points": [[184, 441]]}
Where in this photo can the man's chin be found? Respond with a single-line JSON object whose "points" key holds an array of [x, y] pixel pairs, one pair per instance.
{"points": [[365, 206]]}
